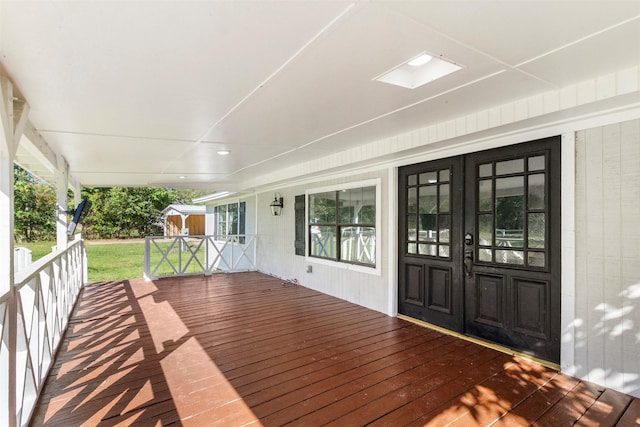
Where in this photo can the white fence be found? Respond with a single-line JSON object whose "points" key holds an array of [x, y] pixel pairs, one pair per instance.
{"points": [[33, 318], [190, 255]]}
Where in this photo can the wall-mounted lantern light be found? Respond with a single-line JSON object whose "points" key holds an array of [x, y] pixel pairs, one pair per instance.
{"points": [[276, 205]]}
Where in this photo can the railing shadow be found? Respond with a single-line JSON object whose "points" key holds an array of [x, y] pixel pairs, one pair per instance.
{"points": [[107, 371]]}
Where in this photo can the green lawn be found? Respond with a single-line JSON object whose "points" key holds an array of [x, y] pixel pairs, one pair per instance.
{"points": [[114, 261]]}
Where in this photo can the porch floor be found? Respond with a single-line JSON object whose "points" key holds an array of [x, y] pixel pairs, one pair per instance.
{"points": [[250, 349]]}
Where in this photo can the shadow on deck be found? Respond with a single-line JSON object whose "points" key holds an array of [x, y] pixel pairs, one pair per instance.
{"points": [[249, 349]]}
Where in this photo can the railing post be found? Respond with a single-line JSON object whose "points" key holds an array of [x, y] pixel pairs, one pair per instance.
{"points": [[147, 258], [12, 316]]}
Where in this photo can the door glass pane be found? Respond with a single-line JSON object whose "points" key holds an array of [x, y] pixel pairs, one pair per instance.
{"points": [[536, 230], [412, 248], [536, 191], [485, 195], [485, 234], [444, 229], [444, 198], [536, 259], [427, 249], [412, 180], [444, 175], [412, 200], [428, 178], [428, 228], [444, 251], [428, 199], [509, 257], [485, 170], [412, 228], [484, 255], [536, 163], [510, 212], [510, 166]]}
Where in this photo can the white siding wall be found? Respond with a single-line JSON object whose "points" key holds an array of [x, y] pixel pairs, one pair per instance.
{"points": [[276, 249], [607, 288]]}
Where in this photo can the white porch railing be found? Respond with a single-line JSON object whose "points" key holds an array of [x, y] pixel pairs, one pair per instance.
{"points": [[190, 255], [33, 319]]}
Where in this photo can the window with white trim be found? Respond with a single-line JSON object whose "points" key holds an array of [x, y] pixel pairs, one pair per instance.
{"points": [[230, 219], [342, 225]]}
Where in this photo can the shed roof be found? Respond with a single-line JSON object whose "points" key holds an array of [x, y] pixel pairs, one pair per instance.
{"points": [[175, 209]]}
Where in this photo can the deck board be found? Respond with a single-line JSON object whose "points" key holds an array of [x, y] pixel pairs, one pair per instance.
{"points": [[250, 349]]}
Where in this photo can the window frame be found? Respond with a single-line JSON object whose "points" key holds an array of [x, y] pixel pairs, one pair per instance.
{"points": [[375, 269]]}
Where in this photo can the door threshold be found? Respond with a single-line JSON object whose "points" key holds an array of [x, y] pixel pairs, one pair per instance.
{"points": [[481, 342]]}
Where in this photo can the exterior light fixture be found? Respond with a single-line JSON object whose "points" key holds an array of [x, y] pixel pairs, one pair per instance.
{"points": [[276, 205]]}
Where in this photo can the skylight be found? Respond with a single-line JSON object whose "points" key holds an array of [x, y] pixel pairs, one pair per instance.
{"points": [[418, 71]]}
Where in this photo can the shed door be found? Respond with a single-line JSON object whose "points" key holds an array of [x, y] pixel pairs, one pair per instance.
{"points": [[481, 255]]}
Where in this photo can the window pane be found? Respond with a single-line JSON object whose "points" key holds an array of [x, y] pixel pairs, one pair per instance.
{"points": [[428, 199], [444, 198], [358, 244], [232, 223], [443, 234], [510, 257], [444, 175], [322, 208], [510, 212], [536, 230], [510, 166], [221, 229], [536, 191], [323, 241], [428, 178], [357, 205], [536, 163], [485, 170], [485, 195], [485, 224], [367, 213], [536, 259]]}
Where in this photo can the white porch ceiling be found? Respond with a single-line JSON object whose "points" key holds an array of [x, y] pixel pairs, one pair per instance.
{"points": [[143, 93]]}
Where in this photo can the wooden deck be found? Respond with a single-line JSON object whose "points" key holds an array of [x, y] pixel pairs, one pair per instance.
{"points": [[249, 349]]}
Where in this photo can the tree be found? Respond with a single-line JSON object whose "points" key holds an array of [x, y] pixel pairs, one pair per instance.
{"points": [[34, 206], [116, 212]]}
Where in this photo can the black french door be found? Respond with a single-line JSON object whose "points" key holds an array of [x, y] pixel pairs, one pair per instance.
{"points": [[479, 245]]}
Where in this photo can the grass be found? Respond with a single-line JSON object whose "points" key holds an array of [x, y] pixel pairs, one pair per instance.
{"points": [[106, 262]]}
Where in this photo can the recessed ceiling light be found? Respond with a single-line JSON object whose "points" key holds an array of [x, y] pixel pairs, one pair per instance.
{"points": [[420, 60], [223, 152], [181, 177], [418, 71]]}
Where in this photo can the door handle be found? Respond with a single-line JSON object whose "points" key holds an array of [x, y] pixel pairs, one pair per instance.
{"points": [[468, 261]]}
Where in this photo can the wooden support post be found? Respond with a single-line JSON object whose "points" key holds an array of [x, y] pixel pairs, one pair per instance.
{"points": [[62, 185], [13, 119]]}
